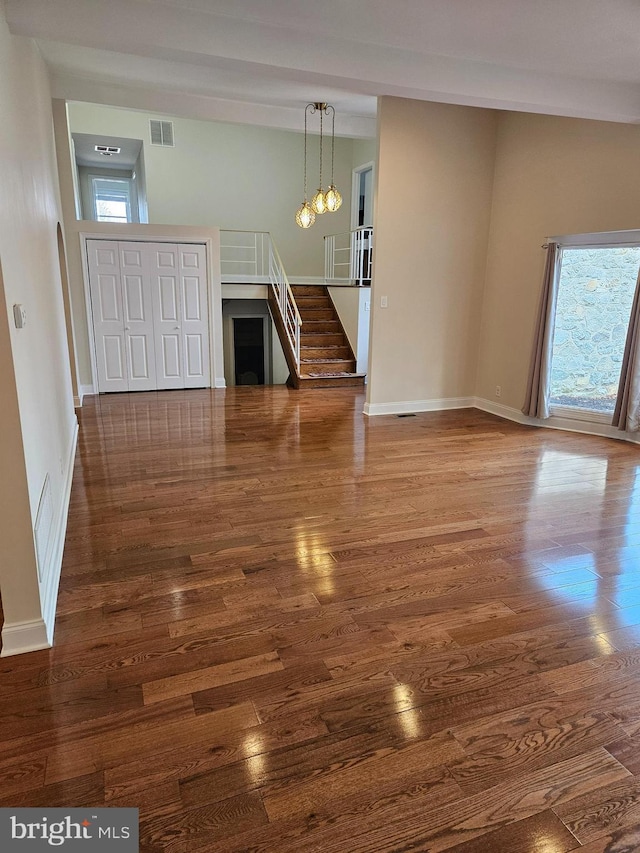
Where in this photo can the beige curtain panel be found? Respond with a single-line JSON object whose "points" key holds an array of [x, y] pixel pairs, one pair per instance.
{"points": [[626, 415], [536, 403]]}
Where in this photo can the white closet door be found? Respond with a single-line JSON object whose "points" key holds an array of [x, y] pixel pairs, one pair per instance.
{"points": [[150, 315], [138, 316], [165, 293], [108, 316], [195, 315]]}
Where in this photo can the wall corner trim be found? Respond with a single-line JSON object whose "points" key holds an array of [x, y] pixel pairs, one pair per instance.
{"points": [[220, 382], [21, 637], [411, 406]]}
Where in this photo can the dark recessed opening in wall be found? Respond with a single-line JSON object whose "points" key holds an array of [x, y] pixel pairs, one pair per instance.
{"points": [[248, 338]]}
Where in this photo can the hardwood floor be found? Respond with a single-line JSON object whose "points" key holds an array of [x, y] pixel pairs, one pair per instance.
{"points": [[285, 627]]}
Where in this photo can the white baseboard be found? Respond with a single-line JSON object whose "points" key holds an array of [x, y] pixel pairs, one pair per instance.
{"points": [[83, 391], [411, 406], [24, 637], [501, 411], [49, 589], [220, 382], [35, 634], [554, 422], [578, 424]]}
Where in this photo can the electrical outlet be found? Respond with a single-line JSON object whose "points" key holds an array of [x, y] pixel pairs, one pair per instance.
{"points": [[384, 301], [498, 391]]}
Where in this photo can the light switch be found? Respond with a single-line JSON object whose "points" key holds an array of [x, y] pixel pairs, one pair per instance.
{"points": [[20, 316], [384, 301]]}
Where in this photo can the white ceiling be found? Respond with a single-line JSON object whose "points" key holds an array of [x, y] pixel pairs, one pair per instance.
{"points": [[261, 61]]}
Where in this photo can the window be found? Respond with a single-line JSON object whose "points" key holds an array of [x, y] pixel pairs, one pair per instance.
{"points": [[595, 293], [111, 199]]}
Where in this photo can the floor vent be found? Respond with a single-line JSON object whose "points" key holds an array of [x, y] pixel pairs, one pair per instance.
{"points": [[43, 526], [161, 133]]}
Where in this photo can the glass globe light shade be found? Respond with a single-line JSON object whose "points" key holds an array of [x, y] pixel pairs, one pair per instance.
{"points": [[318, 202], [305, 216], [332, 199]]}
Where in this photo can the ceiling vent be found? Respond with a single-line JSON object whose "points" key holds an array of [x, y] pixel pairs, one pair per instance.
{"points": [[161, 133], [107, 150]]}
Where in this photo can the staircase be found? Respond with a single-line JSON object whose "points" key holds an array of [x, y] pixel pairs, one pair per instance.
{"points": [[326, 357]]}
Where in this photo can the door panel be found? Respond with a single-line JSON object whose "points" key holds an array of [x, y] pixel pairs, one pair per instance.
{"points": [[168, 292], [109, 302], [112, 346], [163, 259], [192, 306], [134, 307], [194, 360], [139, 365], [107, 314], [138, 319], [195, 316], [170, 357]]}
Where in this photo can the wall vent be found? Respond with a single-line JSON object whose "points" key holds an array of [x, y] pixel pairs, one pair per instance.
{"points": [[43, 526], [161, 132]]}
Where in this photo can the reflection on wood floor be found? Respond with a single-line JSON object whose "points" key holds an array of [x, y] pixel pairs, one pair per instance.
{"points": [[285, 627]]}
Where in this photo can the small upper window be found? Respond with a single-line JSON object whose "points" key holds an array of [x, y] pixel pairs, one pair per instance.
{"points": [[111, 199]]}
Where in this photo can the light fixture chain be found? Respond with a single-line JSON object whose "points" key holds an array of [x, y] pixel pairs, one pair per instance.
{"points": [[333, 137], [321, 113]]}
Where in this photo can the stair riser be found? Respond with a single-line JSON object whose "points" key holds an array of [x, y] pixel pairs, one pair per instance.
{"points": [[312, 302], [324, 314], [308, 290], [328, 368], [325, 352], [330, 381], [317, 339], [310, 326]]}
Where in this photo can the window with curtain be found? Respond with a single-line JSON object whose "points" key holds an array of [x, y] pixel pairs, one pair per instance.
{"points": [[595, 290]]}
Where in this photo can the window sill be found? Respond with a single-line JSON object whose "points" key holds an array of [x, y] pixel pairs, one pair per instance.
{"points": [[585, 415]]}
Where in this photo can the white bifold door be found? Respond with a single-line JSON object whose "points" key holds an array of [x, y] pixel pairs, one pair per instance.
{"points": [[150, 315]]}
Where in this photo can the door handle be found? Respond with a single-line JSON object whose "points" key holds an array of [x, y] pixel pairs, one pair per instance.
{"points": [[176, 328], [127, 328]]}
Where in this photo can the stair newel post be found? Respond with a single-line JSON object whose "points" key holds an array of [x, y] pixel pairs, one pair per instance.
{"points": [[353, 272]]}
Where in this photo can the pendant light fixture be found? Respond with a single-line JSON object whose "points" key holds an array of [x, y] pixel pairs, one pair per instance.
{"points": [[322, 201], [305, 216], [318, 202], [332, 197]]}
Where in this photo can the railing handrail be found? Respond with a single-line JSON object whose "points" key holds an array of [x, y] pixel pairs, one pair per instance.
{"points": [[265, 254], [355, 255], [276, 254]]}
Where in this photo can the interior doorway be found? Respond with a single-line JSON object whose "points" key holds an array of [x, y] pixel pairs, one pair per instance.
{"points": [[248, 350], [362, 197]]}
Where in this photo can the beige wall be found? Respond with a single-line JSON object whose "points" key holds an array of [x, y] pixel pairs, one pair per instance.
{"points": [[433, 204], [364, 151], [236, 177], [553, 176], [38, 421]]}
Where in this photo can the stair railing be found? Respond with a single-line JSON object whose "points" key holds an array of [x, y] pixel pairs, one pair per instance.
{"points": [[285, 300], [348, 256], [252, 256]]}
